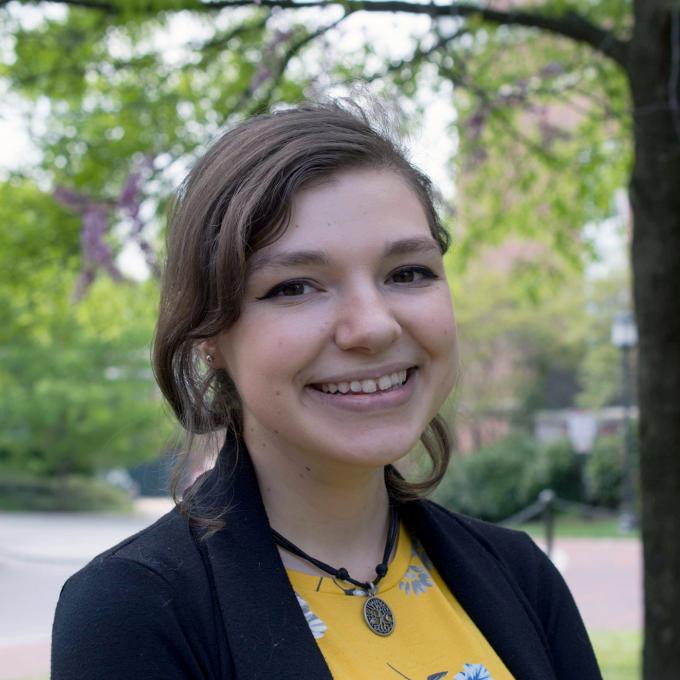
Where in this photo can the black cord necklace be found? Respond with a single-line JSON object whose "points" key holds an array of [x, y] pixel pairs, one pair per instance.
{"points": [[377, 614]]}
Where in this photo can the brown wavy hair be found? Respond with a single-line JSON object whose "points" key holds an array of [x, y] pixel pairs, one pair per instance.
{"points": [[235, 200]]}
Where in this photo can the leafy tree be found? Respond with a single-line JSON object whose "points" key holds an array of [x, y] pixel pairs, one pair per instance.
{"points": [[111, 94], [512, 346], [600, 366], [520, 353], [77, 395]]}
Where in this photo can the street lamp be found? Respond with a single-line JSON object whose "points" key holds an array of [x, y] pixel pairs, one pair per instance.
{"points": [[624, 336]]}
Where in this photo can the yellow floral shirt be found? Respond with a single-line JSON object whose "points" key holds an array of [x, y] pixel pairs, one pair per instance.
{"points": [[433, 638]]}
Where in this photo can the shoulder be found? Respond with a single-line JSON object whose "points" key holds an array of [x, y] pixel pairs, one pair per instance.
{"points": [[501, 541], [528, 569], [162, 557], [158, 546], [149, 593], [533, 578], [164, 553]]}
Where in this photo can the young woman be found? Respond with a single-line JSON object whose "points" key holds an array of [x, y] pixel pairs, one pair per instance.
{"points": [[305, 313]]}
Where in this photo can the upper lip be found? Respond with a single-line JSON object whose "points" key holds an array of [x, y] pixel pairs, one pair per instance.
{"points": [[364, 373]]}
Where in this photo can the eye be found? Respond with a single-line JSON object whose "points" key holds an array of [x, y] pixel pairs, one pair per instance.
{"points": [[412, 274], [295, 288]]}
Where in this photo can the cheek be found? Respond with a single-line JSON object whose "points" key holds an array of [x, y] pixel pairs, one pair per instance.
{"points": [[439, 338], [260, 353], [436, 326]]}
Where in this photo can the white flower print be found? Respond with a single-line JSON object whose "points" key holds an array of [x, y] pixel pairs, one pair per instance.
{"points": [[316, 625], [473, 671]]}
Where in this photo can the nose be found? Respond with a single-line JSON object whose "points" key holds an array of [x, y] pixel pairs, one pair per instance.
{"points": [[365, 321]]}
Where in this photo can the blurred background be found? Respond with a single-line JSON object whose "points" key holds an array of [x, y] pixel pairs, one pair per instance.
{"points": [[525, 128]]}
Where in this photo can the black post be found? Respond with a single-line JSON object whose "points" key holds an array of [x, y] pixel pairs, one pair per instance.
{"points": [[547, 497]]}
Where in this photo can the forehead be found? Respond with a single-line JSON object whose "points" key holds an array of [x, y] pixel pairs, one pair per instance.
{"points": [[356, 211]]}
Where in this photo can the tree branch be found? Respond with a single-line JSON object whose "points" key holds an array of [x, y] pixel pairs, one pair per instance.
{"points": [[459, 78], [218, 42], [89, 4], [419, 54], [571, 24], [278, 73]]}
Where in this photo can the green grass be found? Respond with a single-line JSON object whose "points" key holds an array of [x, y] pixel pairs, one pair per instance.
{"points": [[577, 527], [619, 654]]}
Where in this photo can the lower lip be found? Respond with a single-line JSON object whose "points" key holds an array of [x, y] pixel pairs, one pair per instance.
{"points": [[359, 402]]}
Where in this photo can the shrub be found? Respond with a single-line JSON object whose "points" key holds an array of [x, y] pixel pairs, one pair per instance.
{"points": [[502, 478], [604, 471], [70, 493], [488, 483], [555, 466]]}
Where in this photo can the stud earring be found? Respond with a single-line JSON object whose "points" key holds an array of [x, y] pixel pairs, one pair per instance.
{"points": [[209, 358]]}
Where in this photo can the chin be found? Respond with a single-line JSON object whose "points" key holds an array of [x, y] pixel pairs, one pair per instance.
{"points": [[375, 451]]}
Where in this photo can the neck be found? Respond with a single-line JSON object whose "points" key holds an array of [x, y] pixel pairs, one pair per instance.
{"points": [[335, 513]]}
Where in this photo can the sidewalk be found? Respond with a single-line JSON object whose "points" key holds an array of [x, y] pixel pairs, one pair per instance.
{"points": [[38, 552], [605, 578]]}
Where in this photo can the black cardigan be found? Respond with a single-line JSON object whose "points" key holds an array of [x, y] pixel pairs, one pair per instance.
{"points": [[163, 605]]}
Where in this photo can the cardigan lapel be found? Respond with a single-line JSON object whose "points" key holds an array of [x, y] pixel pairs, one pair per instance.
{"points": [[267, 632], [477, 581]]}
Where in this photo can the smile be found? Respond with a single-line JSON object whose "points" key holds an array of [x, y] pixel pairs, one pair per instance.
{"points": [[371, 396], [383, 383]]}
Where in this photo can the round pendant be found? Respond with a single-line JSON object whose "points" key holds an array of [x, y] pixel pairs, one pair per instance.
{"points": [[378, 616]]}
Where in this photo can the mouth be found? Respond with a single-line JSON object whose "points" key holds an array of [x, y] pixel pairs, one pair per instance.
{"points": [[390, 382]]}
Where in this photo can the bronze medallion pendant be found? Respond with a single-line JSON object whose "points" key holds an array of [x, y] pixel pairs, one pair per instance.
{"points": [[378, 616]]}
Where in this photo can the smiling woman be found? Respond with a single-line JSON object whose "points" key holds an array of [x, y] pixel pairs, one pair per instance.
{"points": [[306, 315], [327, 328]]}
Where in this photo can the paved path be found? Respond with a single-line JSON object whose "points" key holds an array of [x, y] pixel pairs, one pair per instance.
{"points": [[38, 552], [605, 578]]}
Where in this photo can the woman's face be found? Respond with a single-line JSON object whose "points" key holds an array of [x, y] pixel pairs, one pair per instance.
{"points": [[345, 347]]}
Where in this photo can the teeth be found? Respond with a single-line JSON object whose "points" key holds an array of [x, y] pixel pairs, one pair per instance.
{"points": [[369, 386], [385, 382]]}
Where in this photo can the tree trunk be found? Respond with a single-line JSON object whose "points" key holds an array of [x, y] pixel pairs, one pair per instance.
{"points": [[654, 68]]}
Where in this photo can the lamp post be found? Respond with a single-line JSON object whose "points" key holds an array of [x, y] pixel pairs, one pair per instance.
{"points": [[624, 336]]}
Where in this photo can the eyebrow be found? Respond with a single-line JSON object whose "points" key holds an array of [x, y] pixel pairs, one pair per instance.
{"points": [[297, 258]]}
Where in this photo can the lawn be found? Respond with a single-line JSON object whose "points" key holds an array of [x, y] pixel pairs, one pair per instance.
{"points": [[618, 654], [567, 526]]}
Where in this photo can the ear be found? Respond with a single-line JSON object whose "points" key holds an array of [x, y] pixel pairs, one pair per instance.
{"points": [[210, 353]]}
